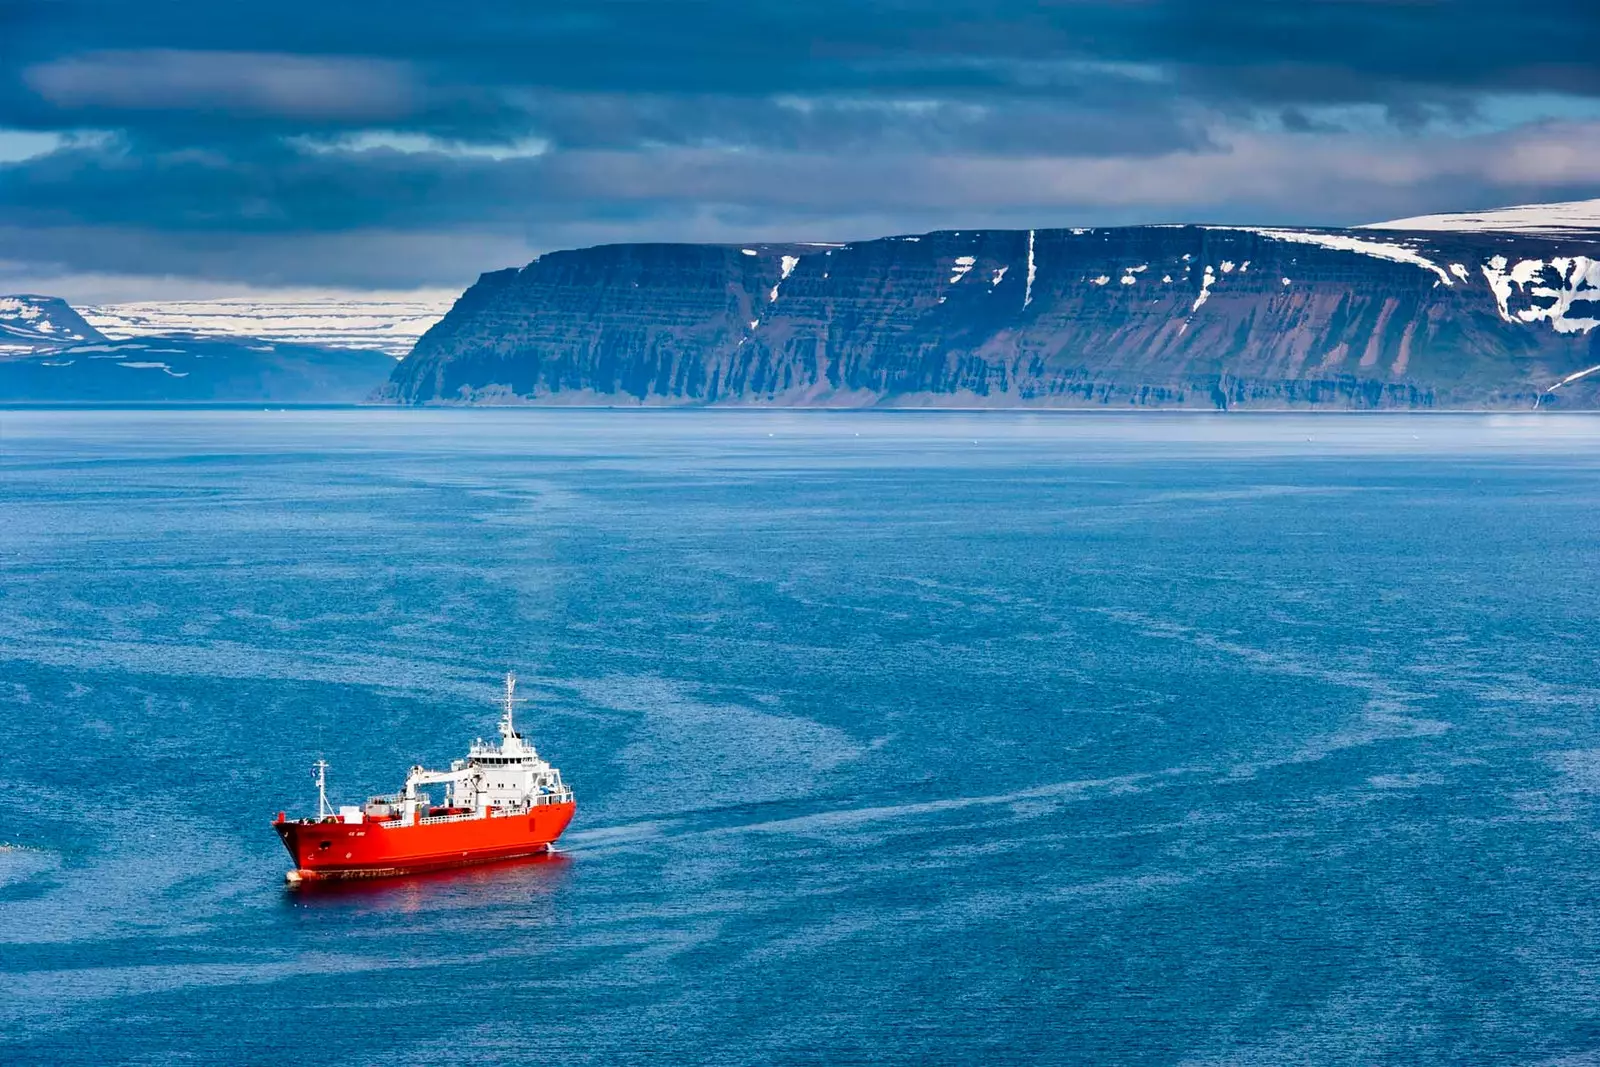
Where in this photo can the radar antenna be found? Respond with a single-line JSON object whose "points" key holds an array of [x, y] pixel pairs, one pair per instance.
{"points": [[508, 702]]}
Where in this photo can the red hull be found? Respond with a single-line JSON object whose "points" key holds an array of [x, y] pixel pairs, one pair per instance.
{"points": [[324, 850]]}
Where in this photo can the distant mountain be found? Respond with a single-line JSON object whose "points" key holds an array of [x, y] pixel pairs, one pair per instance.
{"points": [[1497, 310], [386, 322], [30, 323], [50, 355]]}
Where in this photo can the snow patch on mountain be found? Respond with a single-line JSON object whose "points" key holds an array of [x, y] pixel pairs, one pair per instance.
{"points": [[75, 349], [29, 322], [156, 366], [385, 322], [1552, 290], [1345, 243], [1568, 217], [1569, 379], [1206, 283], [1027, 290]]}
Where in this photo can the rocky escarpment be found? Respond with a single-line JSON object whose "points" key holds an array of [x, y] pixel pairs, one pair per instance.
{"points": [[1170, 316]]}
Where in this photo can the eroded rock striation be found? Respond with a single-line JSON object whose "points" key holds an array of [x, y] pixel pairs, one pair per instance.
{"points": [[1148, 316]]}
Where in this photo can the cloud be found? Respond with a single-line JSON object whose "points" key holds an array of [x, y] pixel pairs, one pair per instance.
{"points": [[1117, 116], [399, 219], [628, 61], [17, 145], [248, 83], [252, 141], [422, 144], [1326, 177], [59, 259]]}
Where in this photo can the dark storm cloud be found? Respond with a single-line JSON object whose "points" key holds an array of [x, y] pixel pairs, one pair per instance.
{"points": [[1258, 50], [219, 132]]}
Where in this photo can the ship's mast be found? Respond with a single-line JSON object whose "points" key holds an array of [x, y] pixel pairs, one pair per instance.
{"points": [[324, 809], [508, 703]]}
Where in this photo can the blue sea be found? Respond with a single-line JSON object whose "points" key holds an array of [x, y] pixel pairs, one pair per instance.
{"points": [[897, 738]]}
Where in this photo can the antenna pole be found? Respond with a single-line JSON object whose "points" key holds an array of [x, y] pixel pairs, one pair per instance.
{"points": [[509, 703], [324, 809]]}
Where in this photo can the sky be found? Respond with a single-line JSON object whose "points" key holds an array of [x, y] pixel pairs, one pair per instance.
{"points": [[192, 149]]}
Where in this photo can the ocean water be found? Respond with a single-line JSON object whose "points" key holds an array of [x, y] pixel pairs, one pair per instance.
{"points": [[897, 738]]}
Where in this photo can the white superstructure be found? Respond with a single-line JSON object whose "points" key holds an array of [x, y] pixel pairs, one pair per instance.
{"points": [[504, 777]]}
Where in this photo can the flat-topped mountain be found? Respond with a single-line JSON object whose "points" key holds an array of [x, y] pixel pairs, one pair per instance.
{"points": [[49, 354], [1496, 310]]}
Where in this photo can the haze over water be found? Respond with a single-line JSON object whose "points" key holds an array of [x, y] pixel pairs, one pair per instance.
{"points": [[897, 738]]}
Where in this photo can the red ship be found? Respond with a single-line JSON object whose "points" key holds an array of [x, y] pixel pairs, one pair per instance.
{"points": [[502, 802]]}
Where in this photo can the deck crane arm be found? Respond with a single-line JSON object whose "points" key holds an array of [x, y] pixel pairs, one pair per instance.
{"points": [[421, 776]]}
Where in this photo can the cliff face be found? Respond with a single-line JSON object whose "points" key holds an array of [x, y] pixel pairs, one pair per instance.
{"points": [[1181, 316]]}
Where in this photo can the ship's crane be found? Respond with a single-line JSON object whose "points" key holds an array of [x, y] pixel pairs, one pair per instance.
{"points": [[422, 776]]}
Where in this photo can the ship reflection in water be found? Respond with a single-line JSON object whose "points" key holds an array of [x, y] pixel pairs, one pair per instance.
{"points": [[496, 882]]}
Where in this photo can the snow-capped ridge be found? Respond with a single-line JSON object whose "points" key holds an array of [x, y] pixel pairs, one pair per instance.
{"points": [[1567, 217], [386, 322], [1343, 242]]}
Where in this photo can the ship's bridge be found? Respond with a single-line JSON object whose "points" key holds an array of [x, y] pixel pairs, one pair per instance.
{"points": [[508, 772], [502, 777]]}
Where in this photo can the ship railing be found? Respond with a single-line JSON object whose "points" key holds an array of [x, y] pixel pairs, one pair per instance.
{"points": [[428, 820], [434, 820], [563, 797]]}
